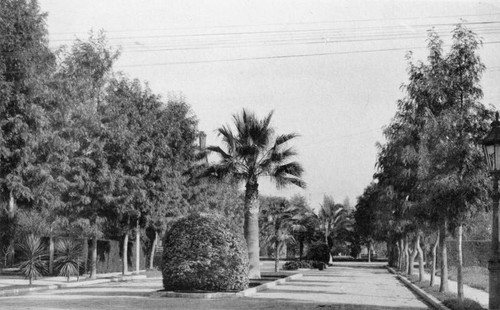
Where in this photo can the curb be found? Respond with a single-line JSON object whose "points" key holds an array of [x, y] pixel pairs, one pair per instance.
{"points": [[27, 290], [222, 295], [431, 300]]}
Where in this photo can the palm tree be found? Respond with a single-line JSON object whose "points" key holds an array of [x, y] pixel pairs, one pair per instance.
{"points": [[253, 151], [281, 220], [333, 218]]}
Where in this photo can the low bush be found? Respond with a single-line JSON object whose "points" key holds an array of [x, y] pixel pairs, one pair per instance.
{"points": [[294, 265], [318, 252], [468, 304], [203, 252], [68, 259], [34, 256]]}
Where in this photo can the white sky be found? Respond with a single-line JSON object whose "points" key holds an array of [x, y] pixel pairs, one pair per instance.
{"points": [[337, 90]]}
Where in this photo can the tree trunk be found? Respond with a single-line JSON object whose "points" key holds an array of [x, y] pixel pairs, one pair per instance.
{"points": [[137, 246], [460, 282], [12, 205], [93, 263], [51, 254], [407, 255], [413, 254], [434, 259], [125, 254], [444, 258], [420, 259], [301, 249], [251, 228], [276, 256], [369, 252], [400, 254], [153, 251]]}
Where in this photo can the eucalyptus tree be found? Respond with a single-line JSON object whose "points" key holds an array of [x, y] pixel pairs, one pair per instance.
{"points": [[83, 73], [453, 169], [252, 151]]}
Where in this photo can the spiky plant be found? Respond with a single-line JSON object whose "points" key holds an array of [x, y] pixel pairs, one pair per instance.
{"points": [[68, 258], [33, 258]]}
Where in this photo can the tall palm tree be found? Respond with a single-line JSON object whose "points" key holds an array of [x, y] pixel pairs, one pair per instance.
{"points": [[252, 151]]}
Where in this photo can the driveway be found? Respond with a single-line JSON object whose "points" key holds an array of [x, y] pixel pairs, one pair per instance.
{"points": [[345, 286]]}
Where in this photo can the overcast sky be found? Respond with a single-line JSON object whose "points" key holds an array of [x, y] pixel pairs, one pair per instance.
{"points": [[330, 70]]}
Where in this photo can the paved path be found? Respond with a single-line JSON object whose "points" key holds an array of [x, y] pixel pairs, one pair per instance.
{"points": [[357, 284], [345, 287]]}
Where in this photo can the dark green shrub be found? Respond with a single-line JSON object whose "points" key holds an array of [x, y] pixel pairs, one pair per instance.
{"points": [[318, 252], [318, 265], [294, 265], [202, 252], [468, 304]]}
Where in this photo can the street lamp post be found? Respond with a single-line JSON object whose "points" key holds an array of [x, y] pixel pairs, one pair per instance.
{"points": [[491, 147]]}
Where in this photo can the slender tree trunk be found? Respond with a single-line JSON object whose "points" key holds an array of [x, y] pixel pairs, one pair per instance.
{"points": [[420, 259], [413, 255], [301, 249], [400, 254], [12, 205], [93, 263], [276, 256], [444, 258], [137, 246], [460, 281], [251, 228], [434, 260], [369, 252], [51, 254], [125, 254], [407, 254], [153, 251]]}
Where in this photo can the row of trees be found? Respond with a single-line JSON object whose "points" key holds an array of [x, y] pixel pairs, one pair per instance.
{"points": [[85, 151], [431, 179]]}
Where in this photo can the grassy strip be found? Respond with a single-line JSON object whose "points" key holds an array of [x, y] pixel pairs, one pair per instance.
{"points": [[449, 299]]}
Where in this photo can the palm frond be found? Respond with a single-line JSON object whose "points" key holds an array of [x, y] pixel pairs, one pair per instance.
{"points": [[219, 151], [285, 137]]}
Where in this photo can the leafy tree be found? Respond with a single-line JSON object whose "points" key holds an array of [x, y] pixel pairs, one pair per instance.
{"points": [[252, 152]]}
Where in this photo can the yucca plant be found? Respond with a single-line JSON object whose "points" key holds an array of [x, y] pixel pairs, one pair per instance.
{"points": [[33, 258], [68, 258]]}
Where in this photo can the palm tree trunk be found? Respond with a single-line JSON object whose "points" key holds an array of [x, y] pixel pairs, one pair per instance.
{"points": [[153, 251], [460, 281], [51, 254], [420, 259], [93, 264], [251, 228], [137, 246], [276, 255], [125, 254], [444, 258], [434, 260]]}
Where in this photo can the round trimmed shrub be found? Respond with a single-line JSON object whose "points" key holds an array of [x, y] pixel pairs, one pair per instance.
{"points": [[203, 252], [318, 252]]}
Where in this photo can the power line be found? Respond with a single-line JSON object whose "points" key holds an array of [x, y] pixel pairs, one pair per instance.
{"points": [[281, 56], [290, 24]]}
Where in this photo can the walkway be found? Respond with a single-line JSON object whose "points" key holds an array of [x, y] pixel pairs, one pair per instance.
{"points": [[346, 287], [369, 286]]}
